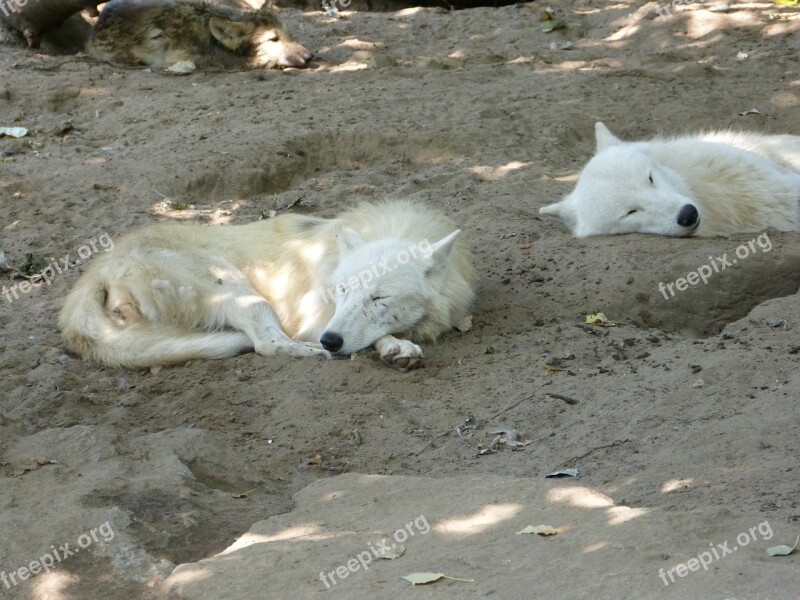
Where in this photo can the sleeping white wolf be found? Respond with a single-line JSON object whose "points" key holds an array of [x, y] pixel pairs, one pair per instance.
{"points": [[173, 292], [708, 184]]}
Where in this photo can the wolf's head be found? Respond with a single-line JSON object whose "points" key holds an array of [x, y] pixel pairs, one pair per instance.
{"points": [[382, 288], [259, 34], [623, 190]]}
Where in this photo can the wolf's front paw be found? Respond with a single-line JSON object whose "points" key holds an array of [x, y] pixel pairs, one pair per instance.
{"points": [[295, 349], [303, 349], [401, 354]]}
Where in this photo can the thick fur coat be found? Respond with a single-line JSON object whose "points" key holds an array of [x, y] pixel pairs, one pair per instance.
{"points": [[169, 293], [161, 33], [707, 184]]}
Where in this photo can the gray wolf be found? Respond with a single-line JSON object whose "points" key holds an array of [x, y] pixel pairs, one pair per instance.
{"points": [[705, 185], [170, 293], [210, 35]]}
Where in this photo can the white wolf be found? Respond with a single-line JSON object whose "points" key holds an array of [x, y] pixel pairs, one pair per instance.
{"points": [[173, 292], [708, 184]]}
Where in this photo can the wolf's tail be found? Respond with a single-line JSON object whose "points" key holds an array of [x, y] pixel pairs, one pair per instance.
{"points": [[88, 331]]}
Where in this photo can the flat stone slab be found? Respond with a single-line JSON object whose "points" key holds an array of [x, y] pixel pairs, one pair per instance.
{"points": [[465, 527]]}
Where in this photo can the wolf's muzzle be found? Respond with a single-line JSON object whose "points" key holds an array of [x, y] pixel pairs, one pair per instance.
{"points": [[688, 215], [332, 342]]}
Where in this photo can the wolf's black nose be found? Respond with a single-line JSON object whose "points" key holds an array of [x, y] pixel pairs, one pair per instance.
{"points": [[331, 341], [687, 216]]}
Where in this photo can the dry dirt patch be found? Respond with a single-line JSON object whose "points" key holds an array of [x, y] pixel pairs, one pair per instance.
{"points": [[483, 115]]}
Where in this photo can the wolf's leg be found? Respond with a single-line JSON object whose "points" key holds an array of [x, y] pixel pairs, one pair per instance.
{"points": [[244, 309], [403, 355]]}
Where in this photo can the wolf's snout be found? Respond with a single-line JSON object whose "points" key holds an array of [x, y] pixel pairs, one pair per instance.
{"points": [[687, 216], [296, 56], [332, 342]]}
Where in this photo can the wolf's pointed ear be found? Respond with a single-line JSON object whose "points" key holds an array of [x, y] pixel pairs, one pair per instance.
{"points": [[605, 139], [441, 249], [440, 252], [231, 34], [348, 239], [561, 211]]}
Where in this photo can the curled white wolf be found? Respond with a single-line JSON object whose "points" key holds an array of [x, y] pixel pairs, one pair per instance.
{"points": [[170, 293], [707, 184]]}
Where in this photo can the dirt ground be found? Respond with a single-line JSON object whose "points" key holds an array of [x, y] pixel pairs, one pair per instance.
{"points": [[683, 415]]}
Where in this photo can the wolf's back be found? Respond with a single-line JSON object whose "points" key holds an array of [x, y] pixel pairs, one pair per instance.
{"points": [[89, 331]]}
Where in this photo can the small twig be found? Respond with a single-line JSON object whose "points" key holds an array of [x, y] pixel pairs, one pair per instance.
{"points": [[293, 203], [566, 399], [355, 437], [433, 439], [508, 408], [449, 431], [571, 462]]}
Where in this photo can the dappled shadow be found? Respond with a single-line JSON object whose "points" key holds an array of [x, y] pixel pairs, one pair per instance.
{"points": [[483, 115], [468, 528]]}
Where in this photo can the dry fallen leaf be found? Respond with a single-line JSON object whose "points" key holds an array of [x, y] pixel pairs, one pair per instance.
{"points": [[427, 577], [15, 132], [539, 530], [599, 319], [183, 67], [552, 25], [508, 437], [392, 552], [783, 550], [503, 438], [563, 473]]}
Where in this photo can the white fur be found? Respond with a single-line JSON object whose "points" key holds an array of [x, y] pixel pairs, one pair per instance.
{"points": [[173, 292], [737, 182]]}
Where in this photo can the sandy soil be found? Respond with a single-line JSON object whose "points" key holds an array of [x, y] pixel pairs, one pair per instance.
{"points": [[482, 114]]}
